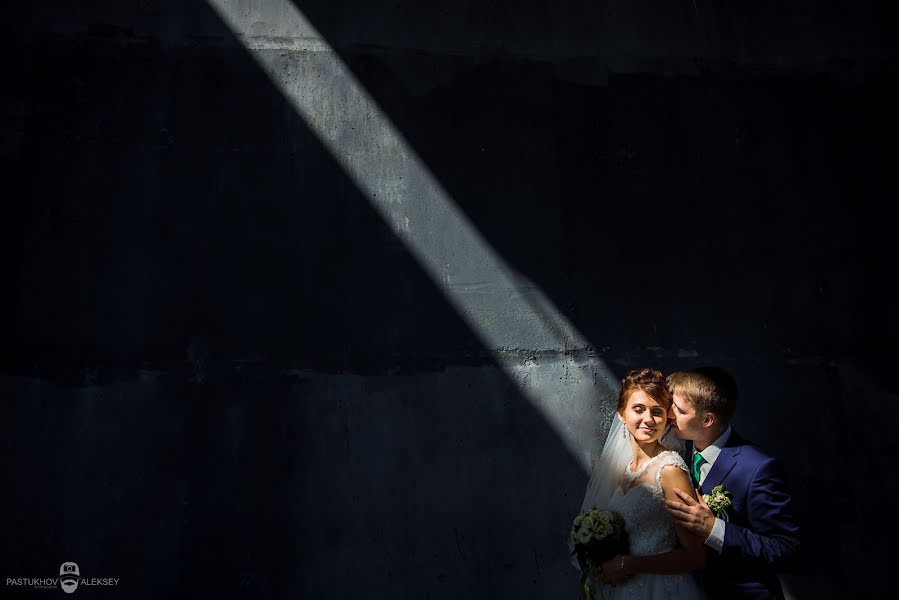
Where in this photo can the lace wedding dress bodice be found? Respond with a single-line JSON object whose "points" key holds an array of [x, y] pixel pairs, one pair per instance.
{"points": [[641, 501]]}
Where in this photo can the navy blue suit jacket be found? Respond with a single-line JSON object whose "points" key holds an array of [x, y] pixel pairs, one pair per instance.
{"points": [[761, 536]]}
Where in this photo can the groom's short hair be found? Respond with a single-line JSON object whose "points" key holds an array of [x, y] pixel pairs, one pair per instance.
{"points": [[710, 389]]}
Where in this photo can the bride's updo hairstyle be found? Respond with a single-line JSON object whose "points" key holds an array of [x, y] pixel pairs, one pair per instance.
{"points": [[650, 382]]}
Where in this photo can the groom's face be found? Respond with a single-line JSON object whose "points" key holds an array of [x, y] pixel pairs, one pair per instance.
{"points": [[686, 423]]}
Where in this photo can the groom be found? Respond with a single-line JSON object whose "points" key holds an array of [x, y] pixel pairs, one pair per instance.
{"points": [[758, 535]]}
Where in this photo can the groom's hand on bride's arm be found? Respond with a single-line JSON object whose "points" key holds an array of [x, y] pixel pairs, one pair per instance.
{"points": [[694, 515]]}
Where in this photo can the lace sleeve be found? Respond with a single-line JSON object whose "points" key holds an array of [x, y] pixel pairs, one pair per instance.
{"points": [[671, 458]]}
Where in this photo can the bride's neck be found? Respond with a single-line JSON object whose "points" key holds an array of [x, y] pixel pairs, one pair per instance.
{"points": [[644, 452]]}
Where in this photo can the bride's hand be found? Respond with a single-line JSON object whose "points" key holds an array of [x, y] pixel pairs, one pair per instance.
{"points": [[613, 571]]}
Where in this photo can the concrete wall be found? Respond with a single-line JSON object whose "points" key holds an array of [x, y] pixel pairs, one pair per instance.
{"points": [[319, 299]]}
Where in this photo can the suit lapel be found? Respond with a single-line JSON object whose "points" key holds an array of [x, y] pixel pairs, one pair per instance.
{"points": [[725, 462]]}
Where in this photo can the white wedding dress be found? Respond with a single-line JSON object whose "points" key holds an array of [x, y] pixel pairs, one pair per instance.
{"points": [[650, 531], [638, 497]]}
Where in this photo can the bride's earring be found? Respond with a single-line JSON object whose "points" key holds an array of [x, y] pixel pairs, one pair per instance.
{"points": [[624, 433]]}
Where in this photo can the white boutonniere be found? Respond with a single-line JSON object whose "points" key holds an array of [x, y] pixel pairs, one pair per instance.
{"points": [[718, 500]]}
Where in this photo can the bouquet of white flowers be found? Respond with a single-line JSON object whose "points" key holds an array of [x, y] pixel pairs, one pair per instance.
{"points": [[598, 536]]}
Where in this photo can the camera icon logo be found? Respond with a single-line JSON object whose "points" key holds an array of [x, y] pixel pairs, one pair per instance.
{"points": [[69, 575]]}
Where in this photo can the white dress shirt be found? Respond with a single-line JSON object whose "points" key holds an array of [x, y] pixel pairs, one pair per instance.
{"points": [[710, 454]]}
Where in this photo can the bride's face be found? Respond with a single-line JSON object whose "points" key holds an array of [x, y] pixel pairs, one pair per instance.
{"points": [[644, 418]]}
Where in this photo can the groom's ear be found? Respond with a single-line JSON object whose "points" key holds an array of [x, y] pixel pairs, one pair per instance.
{"points": [[709, 419]]}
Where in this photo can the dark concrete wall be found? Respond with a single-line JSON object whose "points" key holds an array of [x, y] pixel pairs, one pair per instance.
{"points": [[224, 374]]}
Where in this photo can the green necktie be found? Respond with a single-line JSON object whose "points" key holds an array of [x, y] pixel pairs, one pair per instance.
{"points": [[698, 461]]}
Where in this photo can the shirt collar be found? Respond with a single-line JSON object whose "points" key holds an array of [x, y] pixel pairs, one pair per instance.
{"points": [[711, 452]]}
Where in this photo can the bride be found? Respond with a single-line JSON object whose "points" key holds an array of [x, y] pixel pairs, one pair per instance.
{"points": [[634, 476]]}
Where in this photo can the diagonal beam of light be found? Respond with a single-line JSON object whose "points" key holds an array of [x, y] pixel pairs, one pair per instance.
{"points": [[540, 349]]}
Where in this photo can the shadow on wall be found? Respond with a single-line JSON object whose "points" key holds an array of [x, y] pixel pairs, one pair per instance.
{"points": [[180, 214], [682, 201], [677, 203], [181, 245]]}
